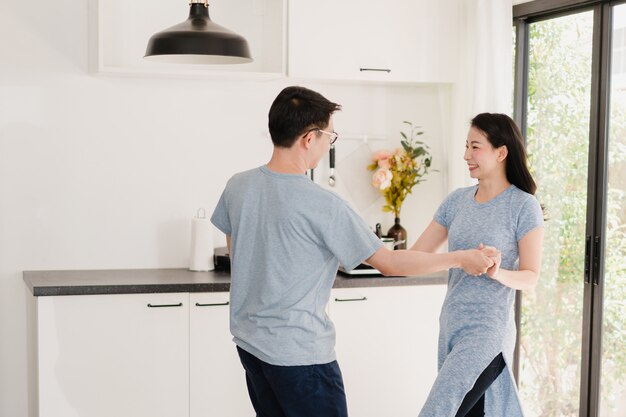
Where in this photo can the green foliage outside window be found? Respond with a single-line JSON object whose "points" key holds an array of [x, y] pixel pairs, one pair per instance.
{"points": [[558, 142]]}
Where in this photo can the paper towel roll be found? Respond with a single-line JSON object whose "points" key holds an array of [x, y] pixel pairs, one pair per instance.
{"points": [[201, 258]]}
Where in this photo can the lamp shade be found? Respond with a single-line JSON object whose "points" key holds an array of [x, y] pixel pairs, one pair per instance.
{"points": [[198, 40]]}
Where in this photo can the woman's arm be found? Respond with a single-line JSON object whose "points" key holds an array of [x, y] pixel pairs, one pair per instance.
{"points": [[431, 239], [529, 264]]}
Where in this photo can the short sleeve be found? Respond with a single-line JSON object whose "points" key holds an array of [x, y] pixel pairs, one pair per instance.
{"points": [[349, 239], [220, 217], [441, 216], [530, 217], [445, 213]]}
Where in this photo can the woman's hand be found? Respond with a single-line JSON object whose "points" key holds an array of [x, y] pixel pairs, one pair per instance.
{"points": [[529, 264], [496, 257], [477, 261], [493, 271]]}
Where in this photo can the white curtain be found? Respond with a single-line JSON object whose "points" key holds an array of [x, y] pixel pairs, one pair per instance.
{"points": [[485, 75]]}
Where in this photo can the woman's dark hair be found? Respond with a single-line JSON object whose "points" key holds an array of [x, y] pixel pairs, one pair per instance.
{"points": [[296, 110], [501, 130]]}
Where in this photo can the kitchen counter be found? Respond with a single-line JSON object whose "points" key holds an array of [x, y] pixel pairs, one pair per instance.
{"points": [[133, 281]]}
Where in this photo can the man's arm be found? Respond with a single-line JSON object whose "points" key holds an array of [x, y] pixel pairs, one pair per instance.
{"points": [[411, 262]]}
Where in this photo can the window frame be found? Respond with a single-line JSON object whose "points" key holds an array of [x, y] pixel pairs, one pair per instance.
{"points": [[523, 15]]}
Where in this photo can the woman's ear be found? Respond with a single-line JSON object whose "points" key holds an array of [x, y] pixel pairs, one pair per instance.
{"points": [[503, 151]]}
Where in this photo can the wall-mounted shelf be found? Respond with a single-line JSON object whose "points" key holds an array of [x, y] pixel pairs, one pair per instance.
{"points": [[119, 31]]}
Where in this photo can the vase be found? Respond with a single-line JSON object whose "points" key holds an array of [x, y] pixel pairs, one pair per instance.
{"points": [[398, 233]]}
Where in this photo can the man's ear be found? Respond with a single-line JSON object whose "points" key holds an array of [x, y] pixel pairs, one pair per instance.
{"points": [[503, 151], [307, 140]]}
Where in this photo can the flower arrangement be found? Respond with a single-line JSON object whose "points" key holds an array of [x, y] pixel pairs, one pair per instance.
{"points": [[395, 174]]}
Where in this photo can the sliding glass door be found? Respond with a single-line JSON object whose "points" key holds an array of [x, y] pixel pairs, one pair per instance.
{"points": [[557, 134], [613, 359], [571, 104]]}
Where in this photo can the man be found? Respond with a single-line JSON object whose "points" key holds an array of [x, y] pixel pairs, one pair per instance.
{"points": [[286, 237]]}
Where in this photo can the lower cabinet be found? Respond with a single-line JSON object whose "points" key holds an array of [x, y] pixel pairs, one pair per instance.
{"points": [[113, 355], [387, 346], [139, 355], [171, 354], [218, 381]]}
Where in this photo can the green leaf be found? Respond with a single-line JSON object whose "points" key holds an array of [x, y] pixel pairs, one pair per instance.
{"points": [[418, 152], [403, 135]]}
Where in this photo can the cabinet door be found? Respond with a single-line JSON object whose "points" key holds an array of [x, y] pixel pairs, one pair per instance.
{"points": [[335, 39], [397, 40], [218, 382], [387, 346], [113, 355], [424, 45]]}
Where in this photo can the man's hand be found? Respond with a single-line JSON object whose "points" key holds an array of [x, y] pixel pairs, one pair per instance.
{"points": [[478, 261]]}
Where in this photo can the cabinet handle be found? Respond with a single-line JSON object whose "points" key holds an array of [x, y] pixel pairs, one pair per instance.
{"points": [[350, 299], [212, 304], [387, 70], [164, 305]]}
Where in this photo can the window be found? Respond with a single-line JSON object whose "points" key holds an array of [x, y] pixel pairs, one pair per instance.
{"points": [[571, 104]]}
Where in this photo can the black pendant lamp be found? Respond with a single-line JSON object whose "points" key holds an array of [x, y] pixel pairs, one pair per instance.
{"points": [[198, 40]]}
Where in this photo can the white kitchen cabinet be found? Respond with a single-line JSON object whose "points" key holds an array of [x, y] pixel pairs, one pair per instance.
{"points": [[119, 31], [113, 355], [168, 354], [387, 346], [409, 41], [218, 382], [171, 354]]}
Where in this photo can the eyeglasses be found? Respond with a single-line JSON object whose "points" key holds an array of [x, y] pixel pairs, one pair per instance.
{"points": [[333, 136]]}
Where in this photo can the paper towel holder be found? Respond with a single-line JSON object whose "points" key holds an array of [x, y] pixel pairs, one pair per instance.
{"points": [[202, 250], [201, 216]]}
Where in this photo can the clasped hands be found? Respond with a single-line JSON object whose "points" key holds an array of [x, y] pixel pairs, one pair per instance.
{"points": [[484, 260]]}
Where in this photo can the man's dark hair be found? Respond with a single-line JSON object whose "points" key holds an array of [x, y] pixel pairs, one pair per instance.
{"points": [[296, 110]]}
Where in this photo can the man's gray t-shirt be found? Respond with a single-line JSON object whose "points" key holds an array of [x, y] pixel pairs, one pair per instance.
{"points": [[288, 236]]}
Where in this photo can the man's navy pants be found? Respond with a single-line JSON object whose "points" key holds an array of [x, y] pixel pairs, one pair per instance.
{"points": [[294, 391]]}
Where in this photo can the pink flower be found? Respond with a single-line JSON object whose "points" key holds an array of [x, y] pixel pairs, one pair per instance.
{"points": [[382, 178], [382, 154], [382, 158], [384, 163]]}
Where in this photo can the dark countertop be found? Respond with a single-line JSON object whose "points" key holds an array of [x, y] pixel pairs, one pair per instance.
{"points": [[133, 281]]}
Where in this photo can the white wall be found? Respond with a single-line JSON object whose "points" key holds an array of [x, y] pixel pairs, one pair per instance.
{"points": [[99, 172]]}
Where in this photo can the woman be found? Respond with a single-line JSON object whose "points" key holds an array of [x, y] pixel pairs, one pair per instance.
{"points": [[477, 322]]}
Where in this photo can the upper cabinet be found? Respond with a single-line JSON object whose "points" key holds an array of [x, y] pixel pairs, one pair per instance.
{"points": [[409, 41], [120, 29], [412, 41]]}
